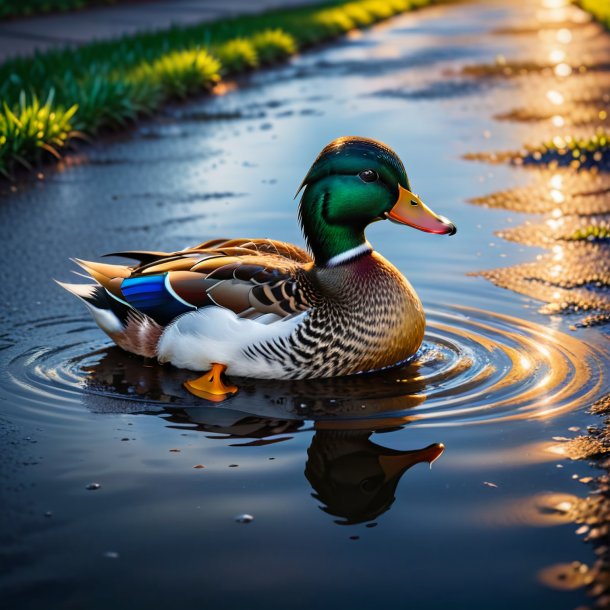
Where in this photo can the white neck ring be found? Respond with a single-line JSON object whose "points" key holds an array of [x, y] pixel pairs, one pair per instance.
{"points": [[348, 255]]}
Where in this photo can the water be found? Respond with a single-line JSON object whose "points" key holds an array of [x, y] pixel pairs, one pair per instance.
{"points": [[303, 493]]}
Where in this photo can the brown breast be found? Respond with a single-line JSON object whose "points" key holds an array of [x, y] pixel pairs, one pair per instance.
{"points": [[369, 317]]}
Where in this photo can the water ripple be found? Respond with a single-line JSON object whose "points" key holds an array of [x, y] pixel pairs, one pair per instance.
{"points": [[474, 367]]}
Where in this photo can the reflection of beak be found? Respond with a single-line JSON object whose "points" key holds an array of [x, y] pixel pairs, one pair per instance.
{"points": [[410, 210], [394, 465]]}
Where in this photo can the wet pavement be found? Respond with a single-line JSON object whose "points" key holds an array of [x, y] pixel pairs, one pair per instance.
{"points": [[121, 489], [25, 36]]}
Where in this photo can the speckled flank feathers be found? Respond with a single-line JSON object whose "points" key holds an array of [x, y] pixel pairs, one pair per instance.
{"points": [[366, 317]]}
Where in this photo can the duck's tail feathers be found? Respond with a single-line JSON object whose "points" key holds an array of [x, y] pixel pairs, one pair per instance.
{"points": [[128, 328]]}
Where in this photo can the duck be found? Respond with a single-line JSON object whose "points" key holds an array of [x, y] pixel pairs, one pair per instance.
{"points": [[268, 309]]}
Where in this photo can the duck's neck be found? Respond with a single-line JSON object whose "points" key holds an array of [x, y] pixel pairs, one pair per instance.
{"points": [[331, 244], [349, 255]]}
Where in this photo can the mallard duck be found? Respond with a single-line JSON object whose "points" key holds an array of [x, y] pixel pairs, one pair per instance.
{"points": [[268, 309]]}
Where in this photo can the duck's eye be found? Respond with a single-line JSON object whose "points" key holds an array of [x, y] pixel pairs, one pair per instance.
{"points": [[368, 175]]}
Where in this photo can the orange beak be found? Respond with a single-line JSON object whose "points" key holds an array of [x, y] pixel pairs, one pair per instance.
{"points": [[410, 210], [394, 465]]}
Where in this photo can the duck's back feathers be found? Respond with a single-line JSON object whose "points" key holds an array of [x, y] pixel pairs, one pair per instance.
{"points": [[251, 278]]}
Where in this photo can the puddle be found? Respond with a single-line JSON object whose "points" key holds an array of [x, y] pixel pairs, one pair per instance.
{"points": [[291, 492], [566, 148]]}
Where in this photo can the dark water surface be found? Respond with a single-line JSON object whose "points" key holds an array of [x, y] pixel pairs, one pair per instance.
{"points": [[346, 511]]}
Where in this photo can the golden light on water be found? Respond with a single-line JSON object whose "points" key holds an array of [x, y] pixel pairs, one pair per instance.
{"points": [[556, 270], [526, 363], [541, 510], [557, 56], [566, 576], [545, 381], [564, 36], [557, 196], [558, 450], [551, 373], [555, 4], [558, 253], [563, 70], [555, 97], [556, 222], [556, 181]]}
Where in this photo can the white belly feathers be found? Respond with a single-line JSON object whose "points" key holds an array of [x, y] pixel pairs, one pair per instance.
{"points": [[197, 339]]}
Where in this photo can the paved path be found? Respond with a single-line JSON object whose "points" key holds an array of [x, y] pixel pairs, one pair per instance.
{"points": [[25, 36]]}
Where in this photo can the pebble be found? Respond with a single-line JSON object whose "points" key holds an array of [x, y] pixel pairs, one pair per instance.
{"points": [[245, 518]]}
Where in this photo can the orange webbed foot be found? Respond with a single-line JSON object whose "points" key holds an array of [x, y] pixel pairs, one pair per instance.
{"points": [[211, 386]]}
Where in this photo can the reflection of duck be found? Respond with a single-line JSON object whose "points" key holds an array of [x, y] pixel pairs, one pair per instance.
{"points": [[266, 309], [235, 424], [384, 398], [355, 478]]}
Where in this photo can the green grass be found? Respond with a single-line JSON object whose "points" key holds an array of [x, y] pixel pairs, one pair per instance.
{"points": [[591, 233], [33, 127], [107, 84], [588, 152], [600, 9]]}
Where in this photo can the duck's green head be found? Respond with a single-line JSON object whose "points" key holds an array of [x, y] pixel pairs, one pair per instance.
{"points": [[354, 182]]}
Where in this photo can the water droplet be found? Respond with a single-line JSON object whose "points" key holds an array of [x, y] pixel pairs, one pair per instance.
{"points": [[93, 486], [245, 518]]}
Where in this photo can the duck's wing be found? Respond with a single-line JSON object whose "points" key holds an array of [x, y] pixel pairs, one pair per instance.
{"points": [[261, 246], [257, 279], [226, 246]]}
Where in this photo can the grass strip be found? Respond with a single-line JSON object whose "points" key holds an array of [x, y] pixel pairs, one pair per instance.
{"points": [[55, 96], [585, 153], [591, 233]]}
